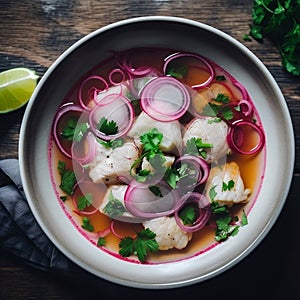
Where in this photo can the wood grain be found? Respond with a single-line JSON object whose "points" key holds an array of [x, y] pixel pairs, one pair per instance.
{"points": [[33, 33]]}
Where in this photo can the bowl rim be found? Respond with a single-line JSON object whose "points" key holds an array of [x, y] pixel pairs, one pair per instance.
{"points": [[215, 31]]}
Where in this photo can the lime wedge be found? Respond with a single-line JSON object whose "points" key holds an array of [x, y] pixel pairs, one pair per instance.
{"points": [[16, 88]]}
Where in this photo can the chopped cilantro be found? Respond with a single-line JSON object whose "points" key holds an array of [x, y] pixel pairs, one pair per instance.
{"points": [[174, 175], [114, 143], [195, 146], [108, 127], [87, 225], [226, 224], [151, 141], [101, 242], [63, 198], [220, 78], [212, 193], [84, 201], [227, 186], [222, 98], [142, 175], [68, 178], [74, 131], [188, 214], [155, 190], [114, 207], [178, 72], [143, 244], [244, 220]]}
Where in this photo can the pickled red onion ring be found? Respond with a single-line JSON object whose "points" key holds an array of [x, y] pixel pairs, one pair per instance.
{"points": [[203, 60], [75, 204], [62, 111], [116, 71], [92, 91], [90, 155], [115, 108], [113, 230], [235, 137], [140, 201], [244, 113], [248, 105], [199, 165], [202, 203], [165, 99]]}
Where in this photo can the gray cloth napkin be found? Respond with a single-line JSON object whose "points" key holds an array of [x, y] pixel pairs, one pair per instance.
{"points": [[20, 234]]}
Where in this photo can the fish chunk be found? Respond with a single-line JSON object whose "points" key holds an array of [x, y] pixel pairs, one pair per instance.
{"points": [[228, 185], [113, 165], [171, 131], [113, 205], [210, 132], [168, 233]]}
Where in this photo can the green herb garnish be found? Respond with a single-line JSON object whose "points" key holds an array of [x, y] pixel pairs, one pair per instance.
{"points": [[74, 131], [84, 201], [87, 225], [188, 214], [195, 146], [227, 186], [114, 207], [279, 21], [114, 143], [141, 245], [101, 242], [68, 178], [155, 190], [108, 127]]}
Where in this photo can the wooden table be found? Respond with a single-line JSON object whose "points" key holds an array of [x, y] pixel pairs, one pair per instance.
{"points": [[33, 33]]}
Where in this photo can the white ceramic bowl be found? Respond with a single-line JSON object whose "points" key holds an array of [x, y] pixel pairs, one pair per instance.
{"points": [[174, 33]]}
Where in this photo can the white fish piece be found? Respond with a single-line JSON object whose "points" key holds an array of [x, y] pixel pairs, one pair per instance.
{"points": [[113, 205], [168, 233], [172, 137], [212, 132], [113, 165], [228, 185]]}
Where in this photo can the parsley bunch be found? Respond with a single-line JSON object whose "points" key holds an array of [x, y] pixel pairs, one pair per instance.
{"points": [[279, 20]]}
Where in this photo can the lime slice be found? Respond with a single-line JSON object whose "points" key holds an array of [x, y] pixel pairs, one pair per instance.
{"points": [[16, 88]]}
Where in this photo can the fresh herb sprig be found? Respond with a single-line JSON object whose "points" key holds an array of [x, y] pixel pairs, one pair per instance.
{"points": [[279, 21], [108, 127], [141, 245]]}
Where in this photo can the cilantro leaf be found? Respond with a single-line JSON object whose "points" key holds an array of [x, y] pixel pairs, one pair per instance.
{"points": [[155, 190], [195, 146], [114, 143], [74, 131], [114, 207], [87, 225], [84, 201], [101, 242], [68, 178], [143, 244], [227, 186], [108, 127], [188, 214], [224, 221]]}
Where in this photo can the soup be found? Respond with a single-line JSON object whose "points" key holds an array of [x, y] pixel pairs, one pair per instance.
{"points": [[157, 155]]}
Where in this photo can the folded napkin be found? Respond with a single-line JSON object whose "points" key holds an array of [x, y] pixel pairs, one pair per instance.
{"points": [[20, 234]]}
